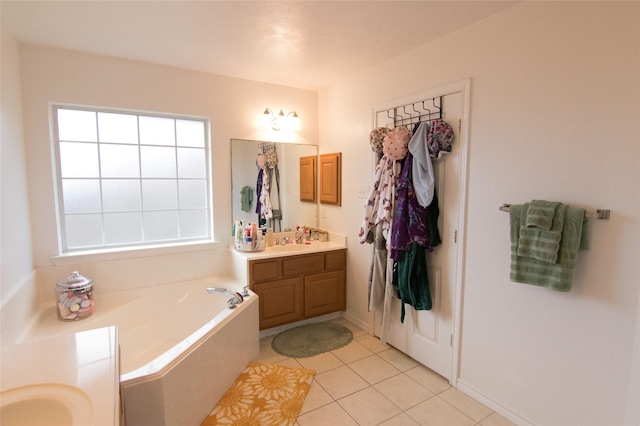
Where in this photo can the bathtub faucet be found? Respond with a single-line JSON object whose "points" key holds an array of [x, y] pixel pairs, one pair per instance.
{"points": [[235, 298]]}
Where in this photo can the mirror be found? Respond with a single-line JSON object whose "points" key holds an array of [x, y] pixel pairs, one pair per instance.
{"points": [[285, 196]]}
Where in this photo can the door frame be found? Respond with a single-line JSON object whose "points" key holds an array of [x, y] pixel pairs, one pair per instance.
{"points": [[463, 87]]}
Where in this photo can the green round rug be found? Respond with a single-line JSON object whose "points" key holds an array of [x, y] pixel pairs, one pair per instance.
{"points": [[311, 339]]}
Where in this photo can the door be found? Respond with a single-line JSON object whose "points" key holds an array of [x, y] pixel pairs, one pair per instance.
{"points": [[427, 336]]}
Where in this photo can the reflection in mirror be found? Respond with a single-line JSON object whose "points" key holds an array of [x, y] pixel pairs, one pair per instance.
{"points": [[284, 182]]}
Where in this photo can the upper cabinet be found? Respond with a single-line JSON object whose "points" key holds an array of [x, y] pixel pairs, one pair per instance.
{"points": [[331, 179], [308, 178]]}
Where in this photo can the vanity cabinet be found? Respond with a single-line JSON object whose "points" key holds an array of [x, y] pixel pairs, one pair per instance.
{"points": [[293, 288]]}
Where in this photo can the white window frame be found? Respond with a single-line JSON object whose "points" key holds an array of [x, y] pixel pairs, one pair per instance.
{"points": [[106, 251]]}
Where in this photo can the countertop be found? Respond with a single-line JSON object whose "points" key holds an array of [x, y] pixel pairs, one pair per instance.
{"points": [[292, 249]]}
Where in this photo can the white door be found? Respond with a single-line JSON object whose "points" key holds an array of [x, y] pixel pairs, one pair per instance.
{"points": [[427, 336]]}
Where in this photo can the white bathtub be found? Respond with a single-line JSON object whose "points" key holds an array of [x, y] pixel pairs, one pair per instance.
{"points": [[180, 347]]}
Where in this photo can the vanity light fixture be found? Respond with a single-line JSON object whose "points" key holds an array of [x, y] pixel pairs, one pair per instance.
{"points": [[280, 121]]}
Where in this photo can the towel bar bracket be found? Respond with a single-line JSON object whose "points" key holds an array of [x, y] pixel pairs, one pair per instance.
{"points": [[599, 213]]}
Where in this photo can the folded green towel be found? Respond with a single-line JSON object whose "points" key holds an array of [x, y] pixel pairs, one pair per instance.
{"points": [[559, 275], [246, 198], [539, 243], [540, 214]]}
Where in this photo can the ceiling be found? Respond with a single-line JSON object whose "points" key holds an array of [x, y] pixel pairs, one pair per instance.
{"points": [[305, 44]]}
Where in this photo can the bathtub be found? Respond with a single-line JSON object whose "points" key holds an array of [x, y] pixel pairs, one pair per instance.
{"points": [[180, 347]]}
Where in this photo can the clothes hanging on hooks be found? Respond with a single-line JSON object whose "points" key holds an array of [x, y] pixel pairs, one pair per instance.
{"points": [[403, 274], [414, 230], [263, 201]]}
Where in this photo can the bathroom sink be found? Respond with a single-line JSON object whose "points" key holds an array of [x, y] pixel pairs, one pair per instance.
{"points": [[45, 404]]}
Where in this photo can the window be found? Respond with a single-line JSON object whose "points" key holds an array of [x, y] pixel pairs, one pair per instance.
{"points": [[129, 179]]}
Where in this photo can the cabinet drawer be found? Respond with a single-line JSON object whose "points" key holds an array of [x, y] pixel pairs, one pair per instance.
{"points": [[335, 260], [264, 270], [300, 265]]}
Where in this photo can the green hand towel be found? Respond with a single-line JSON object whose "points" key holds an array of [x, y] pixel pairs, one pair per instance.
{"points": [[246, 198], [557, 276], [539, 243], [540, 214]]}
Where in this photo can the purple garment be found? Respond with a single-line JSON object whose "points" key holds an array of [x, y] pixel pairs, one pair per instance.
{"points": [[410, 219], [258, 192]]}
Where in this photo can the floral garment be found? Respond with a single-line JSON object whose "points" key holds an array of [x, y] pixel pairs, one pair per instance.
{"points": [[263, 203], [380, 203]]}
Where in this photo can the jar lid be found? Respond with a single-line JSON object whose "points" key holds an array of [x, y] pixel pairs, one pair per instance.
{"points": [[75, 280]]}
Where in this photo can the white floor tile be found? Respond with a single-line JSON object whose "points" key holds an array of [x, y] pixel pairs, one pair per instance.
{"points": [[436, 412], [496, 419], [267, 355], [372, 343], [369, 407], [316, 398], [341, 382], [332, 414], [428, 378], [352, 352], [400, 420], [374, 369], [321, 363], [466, 404], [399, 360], [403, 391]]}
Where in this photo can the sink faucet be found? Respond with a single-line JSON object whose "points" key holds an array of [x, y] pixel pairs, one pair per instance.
{"points": [[235, 298]]}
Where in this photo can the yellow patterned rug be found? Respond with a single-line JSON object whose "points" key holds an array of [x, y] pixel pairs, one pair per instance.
{"points": [[263, 395]]}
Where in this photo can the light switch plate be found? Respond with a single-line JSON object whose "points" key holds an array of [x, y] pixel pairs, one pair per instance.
{"points": [[363, 191]]}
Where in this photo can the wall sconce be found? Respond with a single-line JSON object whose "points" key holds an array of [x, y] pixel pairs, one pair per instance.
{"points": [[281, 121]]}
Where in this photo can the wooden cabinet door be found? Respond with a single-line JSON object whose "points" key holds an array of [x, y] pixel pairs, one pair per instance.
{"points": [[281, 302], [331, 178], [308, 178], [324, 293]]}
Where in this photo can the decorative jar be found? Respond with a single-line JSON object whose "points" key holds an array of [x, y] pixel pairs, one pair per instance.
{"points": [[74, 297]]}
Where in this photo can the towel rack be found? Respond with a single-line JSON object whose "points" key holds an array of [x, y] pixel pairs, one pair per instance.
{"points": [[598, 214]]}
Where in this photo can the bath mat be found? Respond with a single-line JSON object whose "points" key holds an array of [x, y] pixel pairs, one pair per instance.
{"points": [[263, 394], [311, 339]]}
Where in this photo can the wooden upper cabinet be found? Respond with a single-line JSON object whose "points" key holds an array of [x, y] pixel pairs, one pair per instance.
{"points": [[308, 178], [331, 179]]}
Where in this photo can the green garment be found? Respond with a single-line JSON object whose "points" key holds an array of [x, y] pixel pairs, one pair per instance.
{"points": [[412, 282]]}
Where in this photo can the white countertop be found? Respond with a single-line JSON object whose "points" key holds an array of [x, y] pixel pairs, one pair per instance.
{"points": [[87, 361], [292, 249]]}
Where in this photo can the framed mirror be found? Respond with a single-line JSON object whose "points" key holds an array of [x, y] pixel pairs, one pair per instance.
{"points": [[284, 182]]}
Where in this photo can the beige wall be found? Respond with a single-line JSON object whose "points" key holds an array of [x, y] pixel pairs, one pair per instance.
{"points": [[15, 249], [554, 114]]}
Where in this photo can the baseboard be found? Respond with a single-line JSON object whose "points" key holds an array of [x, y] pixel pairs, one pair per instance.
{"points": [[492, 404], [353, 320]]}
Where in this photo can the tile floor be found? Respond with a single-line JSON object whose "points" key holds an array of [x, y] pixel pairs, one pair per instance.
{"points": [[365, 383]]}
